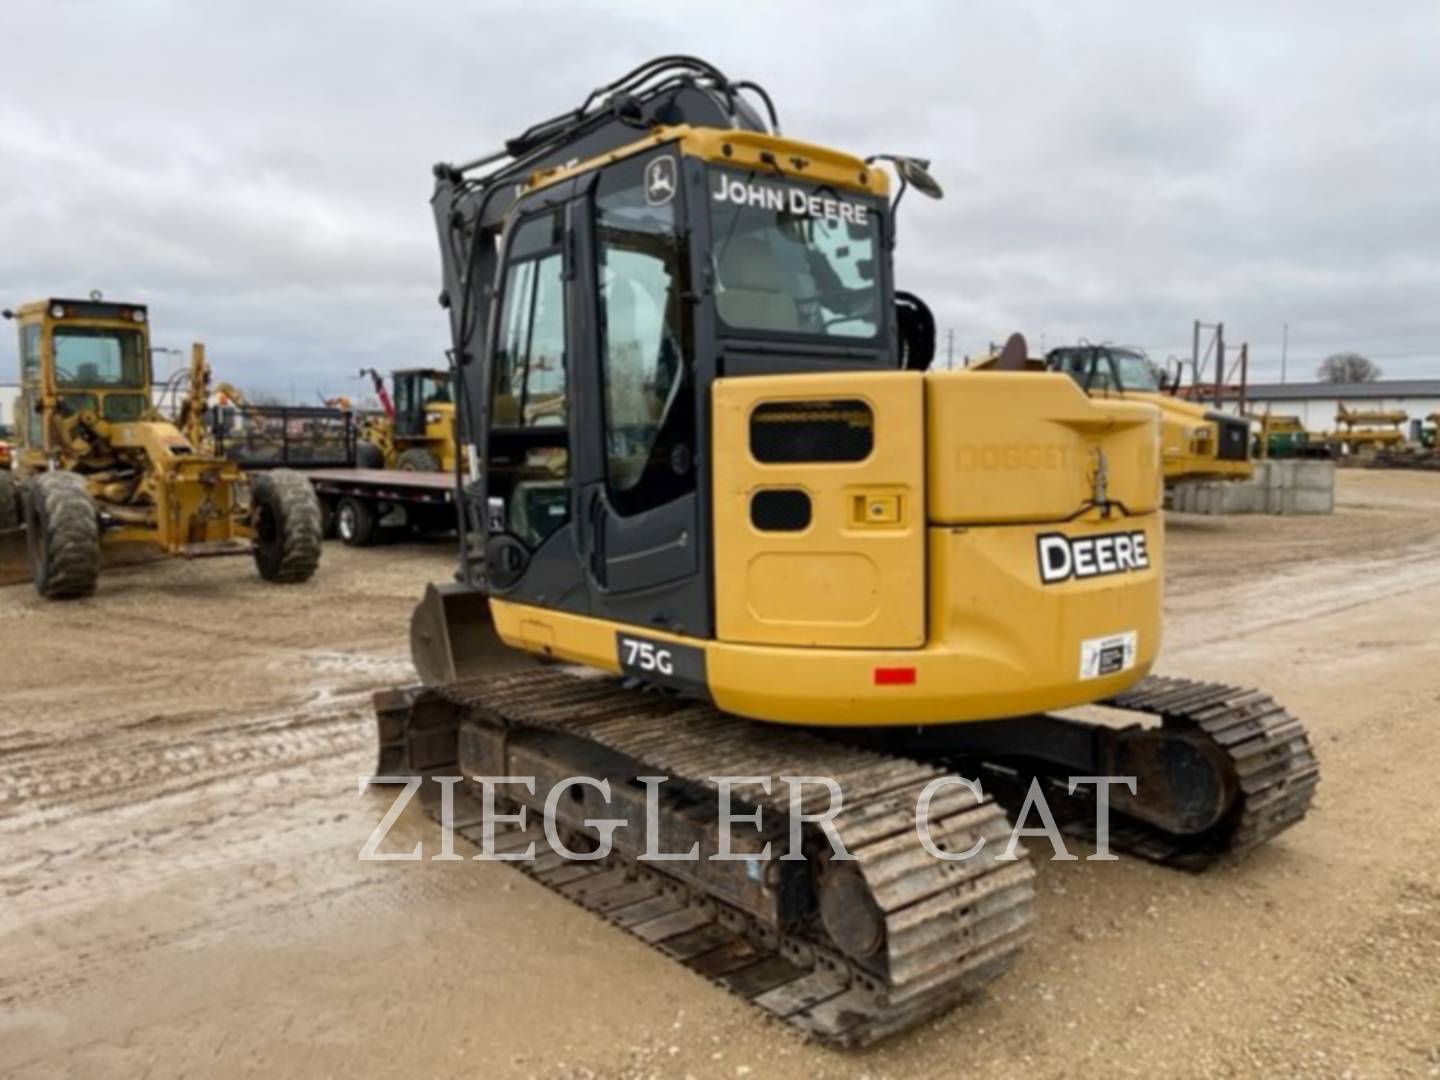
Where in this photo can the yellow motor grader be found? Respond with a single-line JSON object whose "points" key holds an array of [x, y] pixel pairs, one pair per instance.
{"points": [[98, 468]]}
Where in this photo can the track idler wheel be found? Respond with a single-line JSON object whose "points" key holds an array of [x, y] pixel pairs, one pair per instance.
{"points": [[1185, 783], [848, 910]]}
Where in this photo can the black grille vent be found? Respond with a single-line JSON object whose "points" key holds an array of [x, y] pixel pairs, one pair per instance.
{"points": [[791, 432], [1234, 437], [780, 510]]}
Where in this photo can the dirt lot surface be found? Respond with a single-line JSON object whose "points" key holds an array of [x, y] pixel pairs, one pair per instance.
{"points": [[180, 820]]}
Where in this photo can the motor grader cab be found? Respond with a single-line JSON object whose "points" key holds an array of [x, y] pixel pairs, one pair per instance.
{"points": [[717, 473], [99, 469], [417, 431], [1195, 443]]}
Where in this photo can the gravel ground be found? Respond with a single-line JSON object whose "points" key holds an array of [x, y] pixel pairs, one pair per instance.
{"points": [[180, 819]]}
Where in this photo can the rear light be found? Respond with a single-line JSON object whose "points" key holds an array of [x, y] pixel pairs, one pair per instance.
{"points": [[894, 676]]}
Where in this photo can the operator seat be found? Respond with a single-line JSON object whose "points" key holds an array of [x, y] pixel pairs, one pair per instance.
{"points": [[753, 292]]}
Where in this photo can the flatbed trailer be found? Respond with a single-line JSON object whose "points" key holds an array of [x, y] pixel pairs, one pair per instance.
{"points": [[359, 505]]}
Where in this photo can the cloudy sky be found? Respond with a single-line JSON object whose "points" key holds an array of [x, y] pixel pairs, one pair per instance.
{"points": [[259, 172]]}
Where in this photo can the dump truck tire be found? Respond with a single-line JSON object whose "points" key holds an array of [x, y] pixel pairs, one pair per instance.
{"points": [[62, 536], [355, 523], [369, 456], [11, 514], [418, 459], [287, 526]]}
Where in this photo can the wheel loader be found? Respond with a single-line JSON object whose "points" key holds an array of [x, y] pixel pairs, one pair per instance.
{"points": [[98, 470], [748, 539], [1196, 443], [417, 432]]}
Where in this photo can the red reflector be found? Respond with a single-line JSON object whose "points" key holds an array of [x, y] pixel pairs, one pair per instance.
{"points": [[894, 676]]}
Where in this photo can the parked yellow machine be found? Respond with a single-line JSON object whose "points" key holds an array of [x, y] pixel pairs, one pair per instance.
{"points": [[1196, 443], [1366, 431], [417, 430], [97, 467], [784, 547]]}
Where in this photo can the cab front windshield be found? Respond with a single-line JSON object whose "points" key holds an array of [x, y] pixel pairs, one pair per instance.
{"points": [[1093, 369], [794, 258], [1136, 371], [97, 358], [435, 389]]}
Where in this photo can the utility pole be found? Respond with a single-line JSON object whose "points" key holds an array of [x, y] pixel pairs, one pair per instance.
{"points": [[1195, 356], [1284, 350], [1219, 361], [950, 349]]}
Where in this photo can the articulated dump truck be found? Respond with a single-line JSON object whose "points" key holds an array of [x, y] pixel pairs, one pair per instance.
{"points": [[746, 533]]}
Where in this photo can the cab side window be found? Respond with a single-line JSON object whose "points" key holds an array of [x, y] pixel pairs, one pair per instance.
{"points": [[30, 353], [646, 353], [530, 382], [529, 448]]}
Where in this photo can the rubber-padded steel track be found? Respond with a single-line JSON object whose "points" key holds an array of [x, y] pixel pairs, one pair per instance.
{"points": [[950, 927]]}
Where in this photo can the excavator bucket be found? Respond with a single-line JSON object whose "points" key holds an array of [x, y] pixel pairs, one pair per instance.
{"points": [[14, 560], [452, 636]]}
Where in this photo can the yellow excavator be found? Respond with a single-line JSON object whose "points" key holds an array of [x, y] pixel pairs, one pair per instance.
{"points": [[774, 566], [98, 469]]}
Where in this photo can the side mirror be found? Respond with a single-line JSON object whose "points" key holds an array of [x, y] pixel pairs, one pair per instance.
{"points": [[916, 173]]}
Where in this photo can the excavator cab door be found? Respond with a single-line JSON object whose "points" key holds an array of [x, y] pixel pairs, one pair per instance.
{"points": [[591, 461], [638, 465]]}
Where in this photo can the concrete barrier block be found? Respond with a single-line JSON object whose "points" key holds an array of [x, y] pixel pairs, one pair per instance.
{"points": [[1277, 487]]}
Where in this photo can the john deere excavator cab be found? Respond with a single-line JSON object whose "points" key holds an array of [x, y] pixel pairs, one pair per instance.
{"points": [[716, 467], [98, 468]]}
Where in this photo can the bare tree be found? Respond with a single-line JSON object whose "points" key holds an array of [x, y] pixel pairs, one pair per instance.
{"points": [[1347, 367]]}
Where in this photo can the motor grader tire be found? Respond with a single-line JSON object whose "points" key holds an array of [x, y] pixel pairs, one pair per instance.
{"points": [[418, 459], [12, 516], [62, 536], [355, 523], [287, 526], [369, 456]]}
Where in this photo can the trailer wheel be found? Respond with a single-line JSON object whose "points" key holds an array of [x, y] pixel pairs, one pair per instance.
{"points": [[355, 522], [369, 456], [12, 516], [418, 459], [287, 526], [62, 536]]}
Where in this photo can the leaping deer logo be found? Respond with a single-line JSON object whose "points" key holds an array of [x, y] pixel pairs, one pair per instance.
{"points": [[660, 181]]}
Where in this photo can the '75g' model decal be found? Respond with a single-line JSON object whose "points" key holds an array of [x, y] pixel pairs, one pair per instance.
{"points": [[662, 663]]}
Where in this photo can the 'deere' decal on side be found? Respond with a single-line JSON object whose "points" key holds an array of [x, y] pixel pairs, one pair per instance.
{"points": [[1064, 558]]}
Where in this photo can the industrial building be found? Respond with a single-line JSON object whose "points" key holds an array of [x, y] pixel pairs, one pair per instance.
{"points": [[1316, 403]]}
